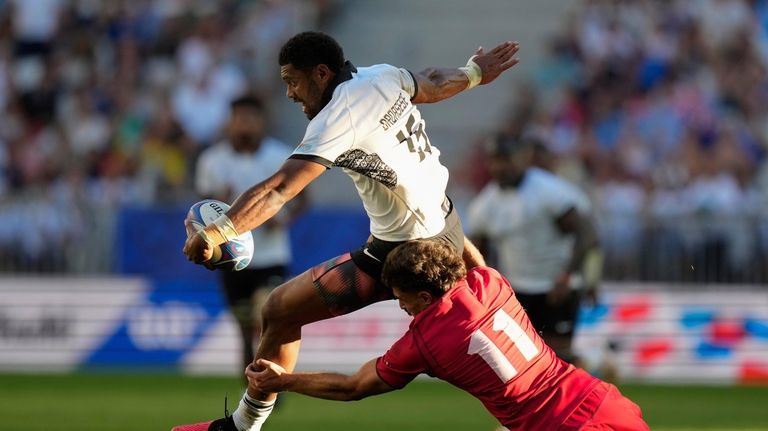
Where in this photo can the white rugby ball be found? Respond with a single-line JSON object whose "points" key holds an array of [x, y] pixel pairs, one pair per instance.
{"points": [[235, 254]]}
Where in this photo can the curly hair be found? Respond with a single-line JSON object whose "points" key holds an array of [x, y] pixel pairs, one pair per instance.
{"points": [[426, 265], [310, 48]]}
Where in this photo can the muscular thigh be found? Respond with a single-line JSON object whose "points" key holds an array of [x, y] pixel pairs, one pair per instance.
{"points": [[345, 287], [352, 281], [295, 302]]}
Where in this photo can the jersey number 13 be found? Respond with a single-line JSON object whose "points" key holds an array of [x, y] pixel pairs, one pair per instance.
{"points": [[414, 136]]}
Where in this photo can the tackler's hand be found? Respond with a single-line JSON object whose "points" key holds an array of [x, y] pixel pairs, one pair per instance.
{"points": [[269, 379]]}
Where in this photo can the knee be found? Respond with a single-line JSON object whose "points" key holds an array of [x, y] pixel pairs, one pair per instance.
{"points": [[274, 311], [292, 305]]}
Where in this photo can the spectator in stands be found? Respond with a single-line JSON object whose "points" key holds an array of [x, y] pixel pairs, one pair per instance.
{"points": [[641, 82], [84, 92], [636, 95]]}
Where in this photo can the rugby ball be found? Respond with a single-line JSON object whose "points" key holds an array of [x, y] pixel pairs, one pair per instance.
{"points": [[233, 255]]}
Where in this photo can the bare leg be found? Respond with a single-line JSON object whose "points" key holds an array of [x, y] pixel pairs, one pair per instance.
{"points": [[329, 289], [288, 308]]}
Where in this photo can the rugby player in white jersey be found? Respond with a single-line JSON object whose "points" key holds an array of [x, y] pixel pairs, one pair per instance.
{"points": [[364, 121], [539, 227]]}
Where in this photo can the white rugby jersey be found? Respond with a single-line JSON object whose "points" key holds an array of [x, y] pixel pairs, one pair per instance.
{"points": [[220, 169], [521, 222], [371, 129]]}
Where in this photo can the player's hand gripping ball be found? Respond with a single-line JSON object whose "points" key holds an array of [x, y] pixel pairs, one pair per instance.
{"points": [[233, 255]]}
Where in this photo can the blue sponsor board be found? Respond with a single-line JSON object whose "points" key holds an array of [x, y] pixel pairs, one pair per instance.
{"points": [[158, 330], [184, 301], [697, 318], [757, 328]]}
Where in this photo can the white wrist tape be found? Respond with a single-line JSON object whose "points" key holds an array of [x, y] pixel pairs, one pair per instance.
{"points": [[216, 250], [203, 234], [225, 227], [473, 72]]}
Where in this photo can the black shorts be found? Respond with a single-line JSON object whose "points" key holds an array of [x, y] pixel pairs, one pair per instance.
{"points": [[551, 320], [353, 280], [240, 286]]}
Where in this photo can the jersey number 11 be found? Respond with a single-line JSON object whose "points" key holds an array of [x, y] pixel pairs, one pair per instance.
{"points": [[480, 344]]}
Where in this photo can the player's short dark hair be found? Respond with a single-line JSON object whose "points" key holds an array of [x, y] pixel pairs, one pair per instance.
{"points": [[427, 265], [505, 145], [310, 48], [250, 101]]}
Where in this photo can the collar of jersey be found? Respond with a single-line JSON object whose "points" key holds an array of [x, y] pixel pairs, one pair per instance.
{"points": [[345, 74]]}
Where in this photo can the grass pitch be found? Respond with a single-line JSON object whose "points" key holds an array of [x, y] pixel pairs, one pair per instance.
{"points": [[138, 402]]}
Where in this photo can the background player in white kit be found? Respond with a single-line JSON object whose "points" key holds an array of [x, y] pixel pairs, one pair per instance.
{"points": [[224, 171], [364, 121], [538, 227]]}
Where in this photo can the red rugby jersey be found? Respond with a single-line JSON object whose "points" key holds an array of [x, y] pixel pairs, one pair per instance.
{"points": [[478, 338]]}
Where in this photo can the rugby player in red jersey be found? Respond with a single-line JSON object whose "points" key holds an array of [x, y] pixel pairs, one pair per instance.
{"points": [[469, 330]]}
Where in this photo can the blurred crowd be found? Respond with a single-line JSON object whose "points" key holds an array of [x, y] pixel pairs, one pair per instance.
{"points": [[659, 109], [105, 103]]}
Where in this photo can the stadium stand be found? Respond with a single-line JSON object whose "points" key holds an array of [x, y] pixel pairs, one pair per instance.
{"points": [[656, 108]]}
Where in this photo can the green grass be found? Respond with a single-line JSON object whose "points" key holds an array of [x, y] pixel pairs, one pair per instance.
{"points": [[137, 402]]}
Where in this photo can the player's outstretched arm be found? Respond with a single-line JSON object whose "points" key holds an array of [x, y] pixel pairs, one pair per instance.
{"points": [[262, 201], [330, 386], [436, 84], [471, 255], [252, 208]]}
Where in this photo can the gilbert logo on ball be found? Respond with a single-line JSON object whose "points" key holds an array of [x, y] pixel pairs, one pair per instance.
{"points": [[233, 255]]}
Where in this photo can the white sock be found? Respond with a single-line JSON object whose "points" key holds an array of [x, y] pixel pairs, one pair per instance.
{"points": [[251, 414]]}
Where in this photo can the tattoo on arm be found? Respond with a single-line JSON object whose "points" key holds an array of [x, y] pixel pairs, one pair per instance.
{"points": [[436, 84]]}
